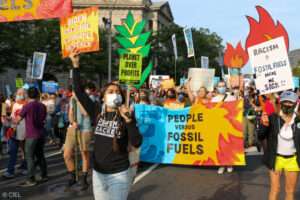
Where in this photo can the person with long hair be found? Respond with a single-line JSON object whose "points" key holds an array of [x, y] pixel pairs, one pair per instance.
{"points": [[282, 154], [199, 97], [17, 140], [115, 128]]}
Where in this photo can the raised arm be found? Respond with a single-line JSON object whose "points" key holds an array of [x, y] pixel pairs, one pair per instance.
{"points": [[82, 97], [189, 91]]}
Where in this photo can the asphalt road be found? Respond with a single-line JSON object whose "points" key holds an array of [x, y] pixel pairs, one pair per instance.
{"points": [[165, 182]]}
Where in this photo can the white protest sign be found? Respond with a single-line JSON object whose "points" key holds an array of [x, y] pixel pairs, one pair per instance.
{"points": [[201, 78], [271, 66], [155, 80], [204, 62], [38, 65]]}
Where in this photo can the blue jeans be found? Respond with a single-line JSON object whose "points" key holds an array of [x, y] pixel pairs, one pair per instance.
{"points": [[111, 186], [13, 146]]}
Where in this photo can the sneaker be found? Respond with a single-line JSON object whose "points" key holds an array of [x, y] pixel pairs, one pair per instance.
{"points": [[229, 169], [221, 170], [84, 186], [72, 179], [29, 183], [7, 175], [24, 172], [44, 179]]}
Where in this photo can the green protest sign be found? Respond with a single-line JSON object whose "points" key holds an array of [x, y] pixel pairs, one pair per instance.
{"points": [[19, 83], [133, 40], [130, 68]]}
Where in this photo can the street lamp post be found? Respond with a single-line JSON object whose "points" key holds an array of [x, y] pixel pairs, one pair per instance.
{"points": [[108, 22], [109, 45]]}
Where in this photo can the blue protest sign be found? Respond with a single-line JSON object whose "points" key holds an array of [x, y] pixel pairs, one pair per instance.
{"points": [[49, 87]]}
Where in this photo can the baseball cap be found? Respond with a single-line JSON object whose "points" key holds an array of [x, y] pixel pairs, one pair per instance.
{"points": [[289, 96]]}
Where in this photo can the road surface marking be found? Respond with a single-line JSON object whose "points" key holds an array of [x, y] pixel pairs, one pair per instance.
{"points": [[145, 173], [47, 156]]}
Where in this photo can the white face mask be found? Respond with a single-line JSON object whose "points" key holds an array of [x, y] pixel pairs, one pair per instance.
{"points": [[113, 100]]}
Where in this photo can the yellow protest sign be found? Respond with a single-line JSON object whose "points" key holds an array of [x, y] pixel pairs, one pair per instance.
{"points": [[130, 69], [19, 82], [201, 135], [167, 84], [3, 109], [18, 10], [81, 31]]}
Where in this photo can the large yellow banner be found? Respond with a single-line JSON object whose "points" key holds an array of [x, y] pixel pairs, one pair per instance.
{"points": [[18, 10], [207, 135], [80, 31]]}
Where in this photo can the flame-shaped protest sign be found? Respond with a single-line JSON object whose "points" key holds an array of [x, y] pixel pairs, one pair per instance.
{"points": [[267, 46], [133, 42], [264, 30], [235, 57]]}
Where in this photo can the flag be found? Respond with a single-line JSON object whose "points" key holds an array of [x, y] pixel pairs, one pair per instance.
{"points": [[189, 42], [175, 46]]}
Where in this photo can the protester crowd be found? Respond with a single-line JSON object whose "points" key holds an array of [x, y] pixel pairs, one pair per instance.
{"points": [[73, 120]]}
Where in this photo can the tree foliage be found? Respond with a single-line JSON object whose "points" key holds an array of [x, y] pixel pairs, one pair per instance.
{"points": [[205, 44], [19, 40]]}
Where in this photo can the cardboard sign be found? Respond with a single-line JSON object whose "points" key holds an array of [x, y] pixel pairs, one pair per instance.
{"points": [[3, 109], [271, 66], [19, 10], [191, 136], [204, 62], [49, 87], [19, 83], [130, 69], [201, 78], [216, 80], [80, 30], [155, 80], [167, 84], [38, 65]]}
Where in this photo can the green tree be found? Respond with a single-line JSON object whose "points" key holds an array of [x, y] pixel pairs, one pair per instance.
{"points": [[19, 40]]}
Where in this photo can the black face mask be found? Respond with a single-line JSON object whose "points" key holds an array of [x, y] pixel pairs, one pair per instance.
{"points": [[171, 96], [143, 98], [287, 110]]}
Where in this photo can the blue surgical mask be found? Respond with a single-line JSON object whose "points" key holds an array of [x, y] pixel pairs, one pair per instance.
{"points": [[221, 90], [19, 97], [181, 98]]}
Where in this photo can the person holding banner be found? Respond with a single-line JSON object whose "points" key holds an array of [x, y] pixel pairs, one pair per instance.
{"points": [[171, 101], [199, 97], [222, 96], [115, 129], [283, 151]]}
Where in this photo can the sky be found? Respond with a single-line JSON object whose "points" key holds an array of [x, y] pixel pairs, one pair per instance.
{"points": [[227, 17]]}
